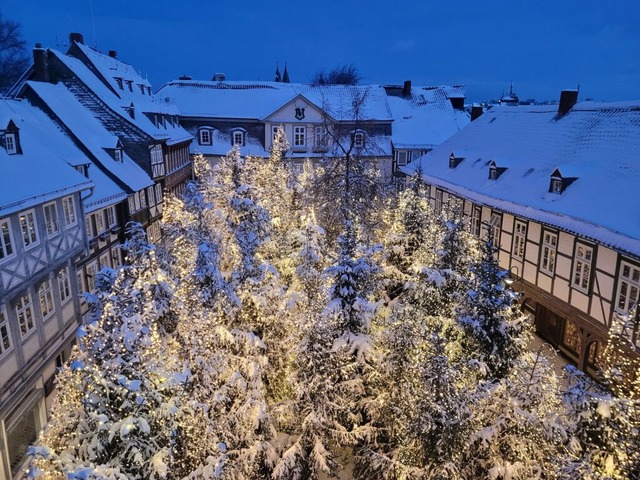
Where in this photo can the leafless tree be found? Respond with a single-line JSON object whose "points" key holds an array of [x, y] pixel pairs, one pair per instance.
{"points": [[14, 59], [340, 75]]}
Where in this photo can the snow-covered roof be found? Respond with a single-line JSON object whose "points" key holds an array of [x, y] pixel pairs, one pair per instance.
{"points": [[596, 143], [426, 118], [110, 69], [90, 132], [257, 100], [41, 172]]}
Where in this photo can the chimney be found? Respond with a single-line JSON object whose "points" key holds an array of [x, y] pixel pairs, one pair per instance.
{"points": [[40, 64], [406, 89], [76, 37], [476, 111], [218, 77], [568, 98], [184, 77], [113, 53]]}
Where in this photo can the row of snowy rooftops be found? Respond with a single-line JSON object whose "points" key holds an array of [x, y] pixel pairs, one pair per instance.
{"points": [[594, 145]]}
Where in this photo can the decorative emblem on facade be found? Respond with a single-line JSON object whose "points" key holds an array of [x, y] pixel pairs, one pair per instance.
{"points": [[299, 113]]}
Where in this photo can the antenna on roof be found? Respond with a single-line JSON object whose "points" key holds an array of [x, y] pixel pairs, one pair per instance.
{"points": [[93, 26]]}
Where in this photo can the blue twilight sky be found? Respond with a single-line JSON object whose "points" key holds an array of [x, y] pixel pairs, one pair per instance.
{"points": [[542, 46]]}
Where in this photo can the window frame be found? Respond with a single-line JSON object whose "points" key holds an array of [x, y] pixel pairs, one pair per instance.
{"points": [[321, 137], [69, 211], [548, 252], [475, 222], [204, 132], [628, 283], [7, 244], [45, 296], [438, 204], [29, 228], [99, 222], [582, 268], [92, 268], [495, 224], [519, 239], [10, 143], [407, 154], [64, 284], [5, 332], [26, 323], [358, 139], [48, 221], [299, 136], [111, 218], [237, 138]]}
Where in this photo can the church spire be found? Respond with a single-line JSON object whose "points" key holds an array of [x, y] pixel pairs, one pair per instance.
{"points": [[278, 77], [285, 75]]}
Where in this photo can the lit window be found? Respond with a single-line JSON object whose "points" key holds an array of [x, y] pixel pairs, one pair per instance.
{"points": [[10, 143], [24, 311], [628, 287], [299, 136], [582, 267], [51, 219], [205, 136], [45, 295], [28, 226], [519, 239], [69, 211], [549, 247], [495, 224], [6, 248], [5, 336], [358, 139], [64, 285]]}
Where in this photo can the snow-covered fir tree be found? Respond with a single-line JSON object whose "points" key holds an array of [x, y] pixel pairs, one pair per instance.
{"points": [[118, 406]]}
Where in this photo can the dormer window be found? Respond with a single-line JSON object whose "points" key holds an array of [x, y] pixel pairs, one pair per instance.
{"points": [[454, 161], [130, 85], [119, 82], [10, 143], [358, 139], [205, 136], [149, 91], [403, 157], [237, 137], [558, 183], [131, 110], [83, 169], [118, 155], [495, 171], [141, 87]]}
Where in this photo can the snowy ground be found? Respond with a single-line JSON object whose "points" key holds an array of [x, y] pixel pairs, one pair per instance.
{"points": [[557, 360]]}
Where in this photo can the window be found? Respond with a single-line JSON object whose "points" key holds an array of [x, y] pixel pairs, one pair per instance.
{"points": [[119, 82], [5, 336], [628, 287], [438, 205], [51, 219], [495, 224], [403, 157], [6, 248], [28, 226], [158, 193], [556, 185], [46, 298], [80, 279], [299, 136], [99, 217], [92, 271], [143, 198], [157, 161], [130, 85], [549, 247], [519, 239], [69, 211], [24, 311], [151, 196], [64, 285], [10, 143], [493, 173], [475, 222], [582, 267], [89, 226], [136, 201], [105, 260], [321, 137], [115, 256], [358, 139], [141, 87], [111, 216], [274, 130], [118, 155], [237, 137], [205, 136]]}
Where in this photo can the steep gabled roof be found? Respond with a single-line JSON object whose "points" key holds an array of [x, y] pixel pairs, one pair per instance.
{"points": [[41, 172], [90, 133], [595, 143]]}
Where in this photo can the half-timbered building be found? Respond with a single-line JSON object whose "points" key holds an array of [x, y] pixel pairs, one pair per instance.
{"points": [[555, 184]]}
